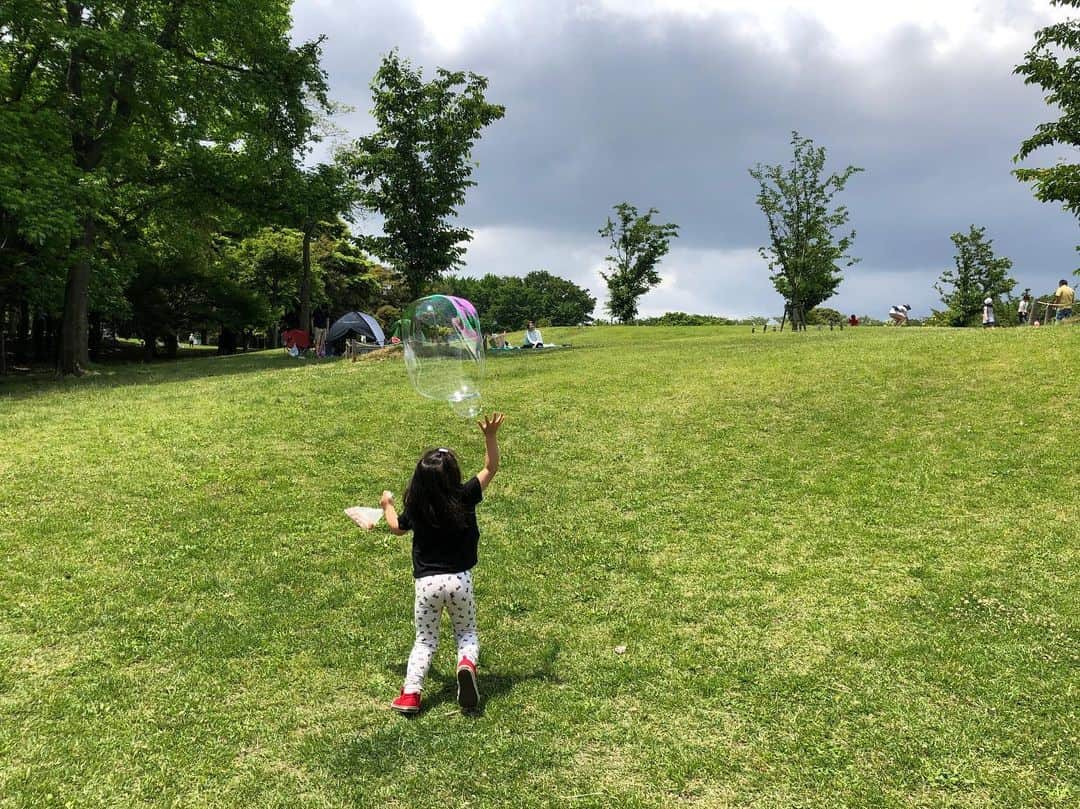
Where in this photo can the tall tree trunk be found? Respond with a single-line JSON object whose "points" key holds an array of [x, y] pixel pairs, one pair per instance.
{"points": [[305, 284], [37, 337], [94, 340], [3, 341], [74, 354], [149, 345], [22, 349]]}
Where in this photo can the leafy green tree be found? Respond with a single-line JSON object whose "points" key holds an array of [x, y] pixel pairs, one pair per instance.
{"points": [[317, 198], [269, 264], [346, 279], [823, 316], [507, 302], [183, 293], [126, 84], [978, 275], [637, 245], [416, 167], [561, 302], [1053, 63], [804, 254]]}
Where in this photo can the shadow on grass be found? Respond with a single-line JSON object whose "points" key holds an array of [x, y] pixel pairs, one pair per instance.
{"points": [[442, 688], [155, 373], [381, 748]]}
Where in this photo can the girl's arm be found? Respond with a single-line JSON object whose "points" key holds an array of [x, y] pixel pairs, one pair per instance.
{"points": [[390, 513], [490, 429]]}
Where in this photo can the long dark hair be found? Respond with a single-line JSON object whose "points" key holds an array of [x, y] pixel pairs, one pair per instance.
{"points": [[434, 494]]}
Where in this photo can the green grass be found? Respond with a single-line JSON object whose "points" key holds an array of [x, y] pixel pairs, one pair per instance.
{"points": [[843, 565]]}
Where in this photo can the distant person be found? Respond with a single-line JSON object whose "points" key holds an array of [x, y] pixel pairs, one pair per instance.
{"points": [[988, 313], [1064, 299], [191, 339], [853, 321], [1023, 309], [320, 321], [899, 314], [533, 338]]}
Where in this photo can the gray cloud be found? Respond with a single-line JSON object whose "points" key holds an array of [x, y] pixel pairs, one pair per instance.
{"points": [[671, 113]]}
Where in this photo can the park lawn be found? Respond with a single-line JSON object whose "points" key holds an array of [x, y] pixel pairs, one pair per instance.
{"points": [[717, 569]]}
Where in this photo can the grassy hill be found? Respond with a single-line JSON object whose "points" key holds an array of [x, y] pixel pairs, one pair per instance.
{"points": [[843, 566]]}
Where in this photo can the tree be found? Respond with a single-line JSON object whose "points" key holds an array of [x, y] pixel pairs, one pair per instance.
{"points": [[979, 274], [804, 254], [319, 196], [508, 302], [823, 316], [637, 245], [416, 166], [127, 84], [1053, 64], [270, 264]]}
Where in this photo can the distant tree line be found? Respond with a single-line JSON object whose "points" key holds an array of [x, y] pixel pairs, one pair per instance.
{"points": [[508, 302]]}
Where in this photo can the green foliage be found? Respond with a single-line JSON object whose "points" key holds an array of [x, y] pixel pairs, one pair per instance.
{"points": [[978, 275], [508, 302], [183, 293], [130, 108], [416, 167], [823, 316], [804, 253], [637, 246], [346, 279], [684, 319], [1052, 64]]}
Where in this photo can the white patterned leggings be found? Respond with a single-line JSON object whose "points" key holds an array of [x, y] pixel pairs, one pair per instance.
{"points": [[452, 592]]}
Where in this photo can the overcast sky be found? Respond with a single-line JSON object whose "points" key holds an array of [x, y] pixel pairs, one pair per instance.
{"points": [[667, 103]]}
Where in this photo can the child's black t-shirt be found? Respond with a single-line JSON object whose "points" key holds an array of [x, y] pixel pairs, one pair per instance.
{"points": [[436, 550]]}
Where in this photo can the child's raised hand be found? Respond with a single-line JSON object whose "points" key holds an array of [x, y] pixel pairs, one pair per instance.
{"points": [[490, 426], [386, 499]]}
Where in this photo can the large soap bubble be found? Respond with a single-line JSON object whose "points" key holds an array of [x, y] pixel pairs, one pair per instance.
{"points": [[444, 351]]}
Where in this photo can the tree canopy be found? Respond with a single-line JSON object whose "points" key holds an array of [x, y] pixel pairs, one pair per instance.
{"points": [[1053, 63], [978, 275], [804, 254], [637, 245], [416, 166], [118, 115], [508, 302]]}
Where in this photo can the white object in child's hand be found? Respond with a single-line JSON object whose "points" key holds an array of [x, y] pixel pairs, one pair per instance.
{"points": [[366, 518]]}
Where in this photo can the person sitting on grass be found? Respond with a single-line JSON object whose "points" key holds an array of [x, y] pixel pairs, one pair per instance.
{"points": [[1064, 299], [441, 513], [533, 338]]}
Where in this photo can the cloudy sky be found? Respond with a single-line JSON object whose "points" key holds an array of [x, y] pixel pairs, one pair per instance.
{"points": [[667, 103]]}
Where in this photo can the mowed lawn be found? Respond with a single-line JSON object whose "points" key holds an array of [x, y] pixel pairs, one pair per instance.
{"points": [[717, 569]]}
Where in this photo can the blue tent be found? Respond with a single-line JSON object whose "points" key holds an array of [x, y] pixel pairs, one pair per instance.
{"points": [[358, 324]]}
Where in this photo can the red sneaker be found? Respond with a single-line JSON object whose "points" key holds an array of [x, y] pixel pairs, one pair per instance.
{"points": [[468, 696], [406, 703]]}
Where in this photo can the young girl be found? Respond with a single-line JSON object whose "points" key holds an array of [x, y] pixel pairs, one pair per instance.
{"points": [[441, 513]]}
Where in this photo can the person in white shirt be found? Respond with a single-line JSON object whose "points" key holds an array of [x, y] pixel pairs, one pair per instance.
{"points": [[988, 313], [899, 314], [1023, 308], [533, 338]]}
